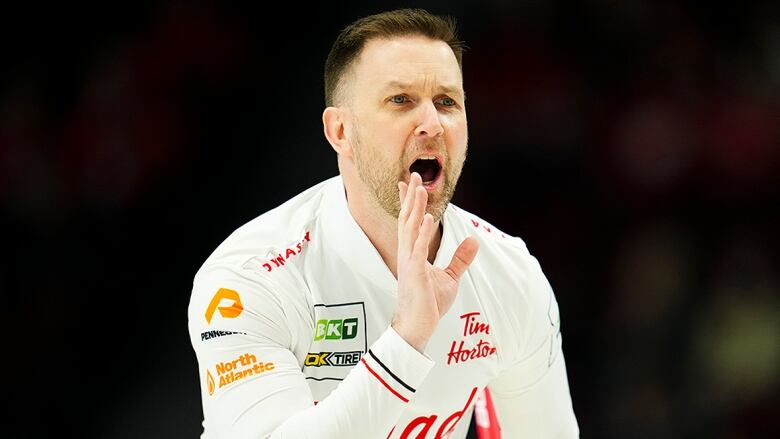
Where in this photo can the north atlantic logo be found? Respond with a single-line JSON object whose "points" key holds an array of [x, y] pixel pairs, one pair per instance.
{"points": [[210, 382], [235, 370]]}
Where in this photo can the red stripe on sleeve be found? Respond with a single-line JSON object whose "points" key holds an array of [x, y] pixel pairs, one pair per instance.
{"points": [[401, 397]]}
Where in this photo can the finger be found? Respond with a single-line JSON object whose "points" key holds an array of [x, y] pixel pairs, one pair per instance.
{"points": [[420, 252], [414, 181], [402, 187], [410, 229], [416, 215], [406, 209], [463, 257]]}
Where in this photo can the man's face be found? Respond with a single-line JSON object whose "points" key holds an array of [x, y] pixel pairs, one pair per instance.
{"points": [[406, 101]]}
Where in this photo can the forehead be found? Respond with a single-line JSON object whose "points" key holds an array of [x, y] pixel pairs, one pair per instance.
{"points": [[416, 61]]}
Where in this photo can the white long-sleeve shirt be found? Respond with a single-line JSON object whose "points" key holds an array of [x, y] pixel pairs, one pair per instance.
{"points": [[290, 322]]}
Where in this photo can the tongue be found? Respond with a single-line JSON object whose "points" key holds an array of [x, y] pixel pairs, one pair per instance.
{"points": [[428, 175], [426, 169]]}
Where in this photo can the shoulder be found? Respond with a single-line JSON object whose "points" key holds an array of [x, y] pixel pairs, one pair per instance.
{"points": [[504, 256], [282, 226], [503, 249], [257, 268], [520, 291]]}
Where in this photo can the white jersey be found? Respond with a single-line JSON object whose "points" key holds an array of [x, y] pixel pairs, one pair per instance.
{"points": [[290, 321]]}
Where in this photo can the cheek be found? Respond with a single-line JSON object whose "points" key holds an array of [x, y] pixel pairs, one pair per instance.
{"points": [[456, 133], [387, 139]]}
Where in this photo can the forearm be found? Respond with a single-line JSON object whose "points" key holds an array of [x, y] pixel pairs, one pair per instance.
{"points": [[367, 403]]}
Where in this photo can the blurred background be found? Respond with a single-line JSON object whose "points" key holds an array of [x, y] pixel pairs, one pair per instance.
{"points": [[634, 146]]}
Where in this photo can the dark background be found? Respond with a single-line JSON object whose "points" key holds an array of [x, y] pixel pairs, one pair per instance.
{"points": [[633, 145]]}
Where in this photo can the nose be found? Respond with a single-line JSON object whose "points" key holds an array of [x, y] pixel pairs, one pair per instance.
{"points": [[429, 124]]}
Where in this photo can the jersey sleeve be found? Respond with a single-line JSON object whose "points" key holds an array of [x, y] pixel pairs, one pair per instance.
{"points": [[531, 395], [539, 408], [245, 332]]}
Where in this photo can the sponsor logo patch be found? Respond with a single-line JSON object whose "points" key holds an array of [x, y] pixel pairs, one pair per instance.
{"points": [[318, 359], [338, 340], [230, 301], [210, 382], [208, 335], [337, 329], [419, 427], [462, 352], [276, 259], [235, 370], [340, 327]]}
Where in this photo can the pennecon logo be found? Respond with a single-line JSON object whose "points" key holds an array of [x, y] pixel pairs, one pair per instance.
{"points": [[229, 312], [336, 329]]}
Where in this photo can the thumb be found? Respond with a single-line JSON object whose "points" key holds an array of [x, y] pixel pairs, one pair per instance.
{"points": [[464, 255]]}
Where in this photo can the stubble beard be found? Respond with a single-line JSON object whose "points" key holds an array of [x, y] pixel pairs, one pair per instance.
{"points": [[382, 176]]}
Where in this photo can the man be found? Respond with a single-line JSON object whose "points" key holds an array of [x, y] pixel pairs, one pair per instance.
{"points": [[368, 306]]}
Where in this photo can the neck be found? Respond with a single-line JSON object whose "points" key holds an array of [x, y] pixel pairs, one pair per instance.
{"points": [[380, 228]]}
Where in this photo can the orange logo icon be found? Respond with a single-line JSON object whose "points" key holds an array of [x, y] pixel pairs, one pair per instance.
{"points": [[209, 382], [228, 312]]}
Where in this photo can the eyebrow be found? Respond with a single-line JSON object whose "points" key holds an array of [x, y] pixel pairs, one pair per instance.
{"points": [[405, 86]]}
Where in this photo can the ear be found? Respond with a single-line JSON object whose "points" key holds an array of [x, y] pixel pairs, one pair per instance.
{"points": [[334, 126]]}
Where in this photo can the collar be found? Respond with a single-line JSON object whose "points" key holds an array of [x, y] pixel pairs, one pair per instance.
{"points": [[344, 239]]}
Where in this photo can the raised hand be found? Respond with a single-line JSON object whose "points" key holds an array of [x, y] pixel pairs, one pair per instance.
{"points": [[425, 293]]}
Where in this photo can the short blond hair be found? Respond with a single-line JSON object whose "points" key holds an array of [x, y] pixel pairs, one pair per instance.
{"points": [[401, 22]]}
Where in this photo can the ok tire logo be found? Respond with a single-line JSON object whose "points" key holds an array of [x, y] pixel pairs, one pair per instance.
{"points": [[318, 359]]}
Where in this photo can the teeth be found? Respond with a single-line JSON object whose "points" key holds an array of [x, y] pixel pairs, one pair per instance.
{"points": [[426, 157]]}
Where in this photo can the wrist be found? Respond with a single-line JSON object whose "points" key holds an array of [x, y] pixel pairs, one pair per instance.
{"points": [[413, 338]]}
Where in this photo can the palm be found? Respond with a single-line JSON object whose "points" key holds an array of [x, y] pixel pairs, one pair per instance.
{"points": [[443, 286], [425, 292]]}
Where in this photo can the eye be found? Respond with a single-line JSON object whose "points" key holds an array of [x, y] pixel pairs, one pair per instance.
{"points": [[399, 99], [447, 102]]}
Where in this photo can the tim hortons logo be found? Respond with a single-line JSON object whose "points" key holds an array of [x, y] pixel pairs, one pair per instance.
{"points": [[459, 352], [420, 426]]}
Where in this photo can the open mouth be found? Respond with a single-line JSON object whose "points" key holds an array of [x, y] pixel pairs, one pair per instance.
{"points": [[428, 168]]}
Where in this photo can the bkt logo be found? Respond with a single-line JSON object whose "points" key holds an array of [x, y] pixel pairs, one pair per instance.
{"points": [[336, 329], [317, 359]]}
